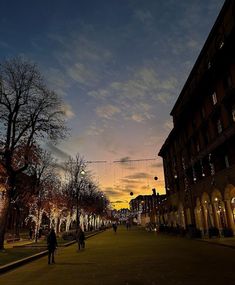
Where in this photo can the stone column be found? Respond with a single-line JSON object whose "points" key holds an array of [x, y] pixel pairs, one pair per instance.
{"points": [[229, 215], [216, 218], [205, 219]]}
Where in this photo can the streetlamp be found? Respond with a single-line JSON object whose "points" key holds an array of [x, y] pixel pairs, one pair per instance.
{"points": [[82, 173]]}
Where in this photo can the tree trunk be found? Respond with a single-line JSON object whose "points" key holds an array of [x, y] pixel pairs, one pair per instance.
{"points": [[5, 205]]}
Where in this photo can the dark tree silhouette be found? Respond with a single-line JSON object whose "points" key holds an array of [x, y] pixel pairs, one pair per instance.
{"points": [[29, 113]]}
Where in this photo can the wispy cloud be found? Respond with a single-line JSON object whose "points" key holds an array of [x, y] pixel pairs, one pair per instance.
{"points": [[107, 111], [119, 202], [129, 97], [138, 175], [81, 58], [156, 165], [94, 130], [67, 109], [168, 125], [143, 15], [57, 151], [81, 73]]}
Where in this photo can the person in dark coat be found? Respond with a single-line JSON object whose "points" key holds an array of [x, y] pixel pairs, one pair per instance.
{"points": [[30, 233], [51, 245], [80, 238], [115, 227]]}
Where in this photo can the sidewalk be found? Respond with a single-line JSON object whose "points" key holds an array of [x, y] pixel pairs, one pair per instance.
{"points": [[227, 242]]}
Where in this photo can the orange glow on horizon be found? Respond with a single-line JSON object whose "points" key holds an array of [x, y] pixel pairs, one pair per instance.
{"points": [[118, 180]]}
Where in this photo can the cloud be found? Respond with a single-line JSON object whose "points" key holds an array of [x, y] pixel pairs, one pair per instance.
{"points": [[168, 125], [143, 16], [156, 165], [82, 59], [102, 93], [57, 80], [119, 202], [94, 130], [57, 151], [129, 181], [112, 191], [81, 73], [134, 98], [144, 187], [137, 118], [107, 111], [68, 111], [138, 175], [124, 159]]}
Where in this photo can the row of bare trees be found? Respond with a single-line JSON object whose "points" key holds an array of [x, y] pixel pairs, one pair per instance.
{"points": [[65, 199], [31, 113]]}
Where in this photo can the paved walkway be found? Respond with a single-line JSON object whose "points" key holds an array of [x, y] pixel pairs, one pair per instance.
{"points": [[227, 242], [133, 257]]}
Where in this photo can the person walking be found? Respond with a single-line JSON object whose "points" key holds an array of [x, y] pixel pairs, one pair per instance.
{"points": [[30, 233], [80, 238], [115, 227], [51, 245]]}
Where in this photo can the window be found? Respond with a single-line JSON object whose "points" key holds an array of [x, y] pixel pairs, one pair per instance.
{"points": [[226, 161], [233, 113], [221, 45], [219, 127], [214, 98]]}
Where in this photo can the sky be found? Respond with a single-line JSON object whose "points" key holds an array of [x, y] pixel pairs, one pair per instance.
{"points": [[119, 66]]}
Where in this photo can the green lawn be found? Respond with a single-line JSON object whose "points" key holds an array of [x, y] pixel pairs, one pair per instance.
{"points": [[17, 250], [13, 254]]}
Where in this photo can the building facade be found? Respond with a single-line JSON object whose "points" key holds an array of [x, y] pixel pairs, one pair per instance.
{"points": [[199, 153], [147, 208]]}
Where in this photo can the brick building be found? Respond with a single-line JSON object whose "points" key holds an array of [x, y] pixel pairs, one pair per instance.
{"points": [[199, 153]]}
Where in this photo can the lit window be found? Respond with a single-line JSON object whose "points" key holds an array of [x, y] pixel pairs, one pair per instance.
{"points": [[221, 44], [226, 161], [219, 127], [233, 113], [214, 98]]}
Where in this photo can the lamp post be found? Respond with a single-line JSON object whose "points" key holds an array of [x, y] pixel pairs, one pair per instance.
{"points": [[78, 186]]}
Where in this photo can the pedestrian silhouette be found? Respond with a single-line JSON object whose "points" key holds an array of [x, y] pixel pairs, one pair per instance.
{"points": [[115, 227], [80, 238], [51, 245], [30, 233], [40, 233]]}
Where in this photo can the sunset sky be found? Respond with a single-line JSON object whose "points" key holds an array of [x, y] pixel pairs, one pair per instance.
{"points": [[120, 66]]}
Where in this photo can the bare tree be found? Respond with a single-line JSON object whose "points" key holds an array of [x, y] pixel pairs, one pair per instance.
{"points": [[44, 172], [75, 174], [29, 112]]}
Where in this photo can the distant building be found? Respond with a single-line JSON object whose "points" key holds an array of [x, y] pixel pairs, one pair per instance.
{"points": [[147, 208], [199, 153]]}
